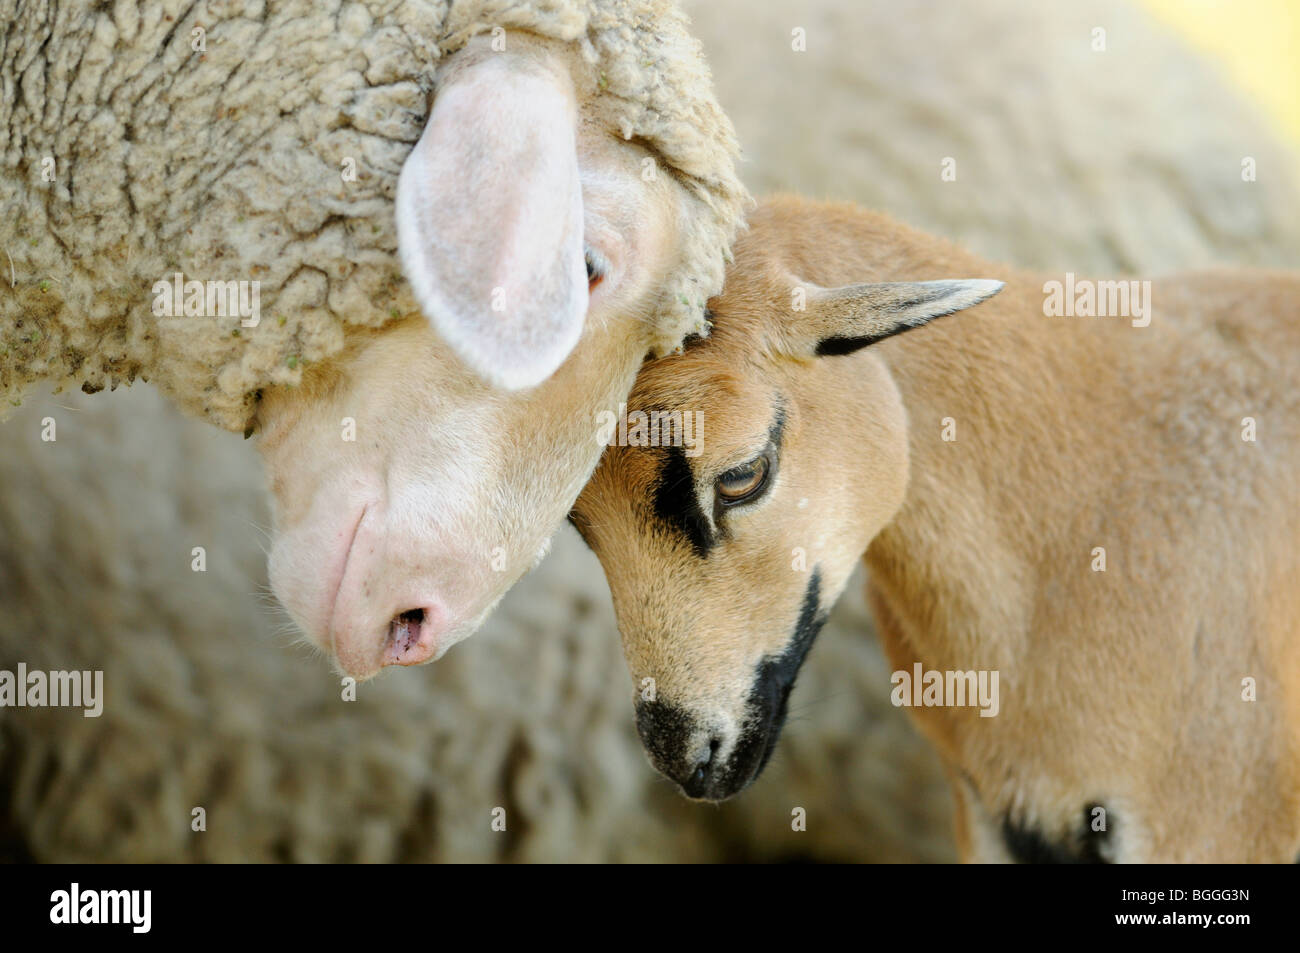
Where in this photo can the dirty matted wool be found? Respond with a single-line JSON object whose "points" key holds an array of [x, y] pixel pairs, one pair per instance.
{"points": [[242, 140]]}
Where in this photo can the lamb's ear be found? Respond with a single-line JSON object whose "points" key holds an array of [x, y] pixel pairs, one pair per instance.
{"points": [[842, 320], [489, 218]]}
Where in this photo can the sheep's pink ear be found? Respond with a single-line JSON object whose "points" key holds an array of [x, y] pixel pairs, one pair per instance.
{"points": [[843, 320], [489, 219]]}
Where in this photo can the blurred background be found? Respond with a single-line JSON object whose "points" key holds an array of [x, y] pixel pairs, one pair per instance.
{"points": [[1122, 159]]}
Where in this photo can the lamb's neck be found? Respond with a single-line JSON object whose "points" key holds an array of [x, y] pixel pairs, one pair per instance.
{"points": [[997, 404]]}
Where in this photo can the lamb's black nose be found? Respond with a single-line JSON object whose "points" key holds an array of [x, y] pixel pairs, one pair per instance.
{"points": [[678, 748], [697, 783]]}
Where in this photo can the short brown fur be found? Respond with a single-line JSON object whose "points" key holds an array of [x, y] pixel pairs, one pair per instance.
{"points": [[1123, 687]]}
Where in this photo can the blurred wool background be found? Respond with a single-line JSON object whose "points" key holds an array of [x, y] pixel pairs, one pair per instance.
{"points": [[1067, 158]]}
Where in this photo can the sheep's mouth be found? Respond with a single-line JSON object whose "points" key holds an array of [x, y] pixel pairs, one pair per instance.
{"points": [[337, 589], [404, 631]]}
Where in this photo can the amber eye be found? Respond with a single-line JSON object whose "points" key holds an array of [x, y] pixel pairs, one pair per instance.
{"points": [[743, 482]]}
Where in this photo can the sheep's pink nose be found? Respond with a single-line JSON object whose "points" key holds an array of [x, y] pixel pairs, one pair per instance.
{"points": [[412, 638]]}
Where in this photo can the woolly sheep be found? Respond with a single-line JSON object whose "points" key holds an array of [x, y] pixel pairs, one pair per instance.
{"points": [[1081, 558], [161, 153], [209, 707]]}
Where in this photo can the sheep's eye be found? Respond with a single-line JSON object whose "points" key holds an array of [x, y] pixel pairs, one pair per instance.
{"points": [[595, 267], [743, 483]]}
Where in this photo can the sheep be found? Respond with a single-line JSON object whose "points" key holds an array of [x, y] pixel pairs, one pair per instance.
{"points": [[1081, 527], [210, 705], [214, 197]]}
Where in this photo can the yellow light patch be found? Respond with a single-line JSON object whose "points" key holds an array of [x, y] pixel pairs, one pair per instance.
{"points": [[1257, 44]]}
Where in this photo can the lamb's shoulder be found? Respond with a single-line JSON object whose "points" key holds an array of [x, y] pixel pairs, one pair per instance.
{"points": [[1237, 303]]}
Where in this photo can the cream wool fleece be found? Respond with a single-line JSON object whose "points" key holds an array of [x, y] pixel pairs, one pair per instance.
{"points": [[241, 140]]}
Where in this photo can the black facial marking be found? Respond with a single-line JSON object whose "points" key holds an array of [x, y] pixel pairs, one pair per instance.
{"points": [[775, 431], [677, 505], [1028, 846], [769, 699], [783, 669]]}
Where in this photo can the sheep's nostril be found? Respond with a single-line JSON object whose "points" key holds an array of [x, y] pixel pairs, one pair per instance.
{"points": [[411, 638], [404, 630]]}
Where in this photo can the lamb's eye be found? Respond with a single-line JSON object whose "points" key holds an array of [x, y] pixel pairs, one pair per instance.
{"points": [[595, 267], [743, 483]]}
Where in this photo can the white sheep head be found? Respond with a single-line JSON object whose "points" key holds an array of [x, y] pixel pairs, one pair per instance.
{"points": [[420, 473]]}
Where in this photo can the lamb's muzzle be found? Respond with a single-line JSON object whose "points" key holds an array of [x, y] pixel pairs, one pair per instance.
{"points": [[712, 757]]}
